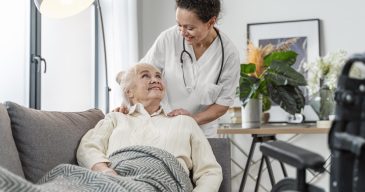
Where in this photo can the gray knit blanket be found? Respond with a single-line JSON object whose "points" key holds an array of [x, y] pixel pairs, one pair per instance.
{"points": [[140, 168]]}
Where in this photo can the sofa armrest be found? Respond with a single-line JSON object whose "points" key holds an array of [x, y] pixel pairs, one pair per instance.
{"points": [[222, 150]]}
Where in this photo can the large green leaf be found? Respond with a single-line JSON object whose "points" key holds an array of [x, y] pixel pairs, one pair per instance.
{"points": [[248, 87], [263, 86], [266, 103], [299, 98], [248, 68], [287, 57], [287, 97], [283, 74]]}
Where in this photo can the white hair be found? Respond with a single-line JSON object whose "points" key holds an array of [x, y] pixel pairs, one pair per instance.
{"points": [[126, 80]]}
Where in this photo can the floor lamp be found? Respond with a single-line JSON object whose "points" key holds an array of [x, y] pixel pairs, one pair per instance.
{"points": [[66, 8]]}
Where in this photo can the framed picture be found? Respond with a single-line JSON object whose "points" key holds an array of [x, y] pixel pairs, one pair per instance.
{"points": [[305, 35]]}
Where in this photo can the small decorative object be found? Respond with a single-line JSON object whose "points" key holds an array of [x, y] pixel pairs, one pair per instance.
{"points": [[265, 117], [235, 115], [268, 75], [322, 80], [296, 118]]}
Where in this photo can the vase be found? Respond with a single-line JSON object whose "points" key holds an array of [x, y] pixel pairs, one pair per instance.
{"points": [[251, 114], [323, 103]]}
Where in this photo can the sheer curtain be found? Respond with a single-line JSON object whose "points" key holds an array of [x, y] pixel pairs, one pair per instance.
{"points": [[68, 45], [120, 22], [14, 49]]}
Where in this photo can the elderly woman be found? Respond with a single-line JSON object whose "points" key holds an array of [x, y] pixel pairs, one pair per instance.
{"points": [[147, 124]]}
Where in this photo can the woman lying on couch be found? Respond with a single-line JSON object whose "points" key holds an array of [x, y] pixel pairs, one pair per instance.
{"points": [[146, 124]]}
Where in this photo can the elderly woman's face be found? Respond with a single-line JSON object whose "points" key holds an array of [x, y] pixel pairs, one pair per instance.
{"points": [[148, 85]]}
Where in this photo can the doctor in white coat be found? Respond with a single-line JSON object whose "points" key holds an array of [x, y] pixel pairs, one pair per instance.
{"points": [[199, 62]]}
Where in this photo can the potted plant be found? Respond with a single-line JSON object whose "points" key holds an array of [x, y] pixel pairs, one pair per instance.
{"points": [[268, 75]]}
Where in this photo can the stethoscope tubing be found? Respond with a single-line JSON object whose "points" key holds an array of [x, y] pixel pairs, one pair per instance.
{"points": [[191, 58]]}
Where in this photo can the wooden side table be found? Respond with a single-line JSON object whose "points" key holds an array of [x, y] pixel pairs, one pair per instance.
{"points": [[306, 128], [267, 132]]}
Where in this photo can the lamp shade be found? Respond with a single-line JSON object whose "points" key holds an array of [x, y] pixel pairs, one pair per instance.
{"points": [[61, 8]]}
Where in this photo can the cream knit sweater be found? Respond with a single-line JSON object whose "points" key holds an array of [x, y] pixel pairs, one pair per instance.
{"points": [[179, 135]]}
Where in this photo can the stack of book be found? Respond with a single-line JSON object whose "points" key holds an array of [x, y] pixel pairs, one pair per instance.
{"points": [[235, 114]]}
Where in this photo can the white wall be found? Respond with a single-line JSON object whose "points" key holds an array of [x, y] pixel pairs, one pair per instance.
{"points": [[154, 17], [342, 26], [342, 21]]}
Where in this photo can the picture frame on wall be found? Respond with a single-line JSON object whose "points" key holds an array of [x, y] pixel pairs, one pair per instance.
{"points": [[307, 44]]}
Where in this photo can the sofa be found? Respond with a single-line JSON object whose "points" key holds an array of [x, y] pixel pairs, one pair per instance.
{"points": [[32, 142]]}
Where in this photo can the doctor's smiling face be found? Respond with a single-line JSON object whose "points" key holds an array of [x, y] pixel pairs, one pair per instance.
{"points": [[196, 19], [193, 29]]}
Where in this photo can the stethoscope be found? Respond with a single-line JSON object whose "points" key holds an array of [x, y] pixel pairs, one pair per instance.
{"points": [[191, 59]]}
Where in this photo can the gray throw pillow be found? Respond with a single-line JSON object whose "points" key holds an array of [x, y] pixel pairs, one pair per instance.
{"points": [[9, 156], [46, 139]]}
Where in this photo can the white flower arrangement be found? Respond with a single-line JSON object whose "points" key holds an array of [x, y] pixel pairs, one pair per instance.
{"points": [[327, 68], [325, 72]]}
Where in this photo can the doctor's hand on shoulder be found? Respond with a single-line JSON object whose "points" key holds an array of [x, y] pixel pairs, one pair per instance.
{"points": [[180, 111], [121, 109], [211, 113]]}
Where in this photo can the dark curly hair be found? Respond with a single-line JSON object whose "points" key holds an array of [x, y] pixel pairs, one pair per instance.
{"points": [[204, 9]]}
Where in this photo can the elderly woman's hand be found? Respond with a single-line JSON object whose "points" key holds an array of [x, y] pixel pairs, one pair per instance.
{"points": [[103, 168], [121, 109], [109, 171], [180, 111]]}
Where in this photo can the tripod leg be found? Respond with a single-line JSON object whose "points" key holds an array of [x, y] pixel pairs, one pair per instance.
{"points": [[247, 167]]}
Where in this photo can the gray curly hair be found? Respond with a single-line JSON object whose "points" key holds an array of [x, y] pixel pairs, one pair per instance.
{"points": [[126, 80]]}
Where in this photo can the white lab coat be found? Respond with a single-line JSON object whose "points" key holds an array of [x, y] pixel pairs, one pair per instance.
{"points": [[165, 54]]}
